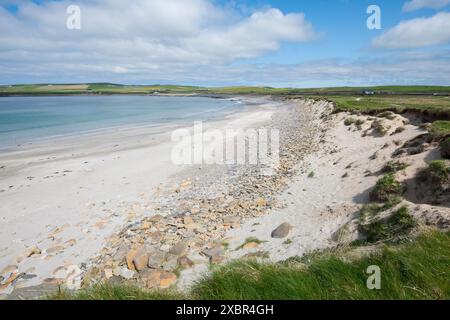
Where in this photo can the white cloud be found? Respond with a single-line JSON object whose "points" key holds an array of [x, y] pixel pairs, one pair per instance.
{"points": [[415, 33], [420, 4], [120, 35]]}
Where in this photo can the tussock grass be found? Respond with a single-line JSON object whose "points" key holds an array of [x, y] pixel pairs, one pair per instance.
{"points": [[440, 128], [400, 223], [370, 210], [415, 271], [418, 270], [387, 188], [437, 174], [349, 121], [117, 292]]}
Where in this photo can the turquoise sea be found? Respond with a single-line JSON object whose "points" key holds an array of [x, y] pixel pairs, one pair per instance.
{"points": [[28, 119]]}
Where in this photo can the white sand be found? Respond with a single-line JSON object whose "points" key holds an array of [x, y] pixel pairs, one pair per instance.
{"points": [[69, 195], [317, 207]]}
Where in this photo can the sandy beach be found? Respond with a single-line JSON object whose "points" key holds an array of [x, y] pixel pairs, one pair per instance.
{"points": [[113, 207], [60, 199]]}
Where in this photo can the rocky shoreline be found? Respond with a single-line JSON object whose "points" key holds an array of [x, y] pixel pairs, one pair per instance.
{"points": [[193, 216], [208, 215]]}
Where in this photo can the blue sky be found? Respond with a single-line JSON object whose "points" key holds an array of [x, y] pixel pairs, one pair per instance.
{"points": [[250, 42]]}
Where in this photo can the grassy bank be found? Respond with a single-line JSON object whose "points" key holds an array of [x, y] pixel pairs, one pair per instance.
{"points": [[394, 103], [435, 109], [441, 128], [418, 270]]}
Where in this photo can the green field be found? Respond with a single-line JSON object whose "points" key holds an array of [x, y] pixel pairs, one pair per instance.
{"points": [[396, 103], [110, 88], [417, 270]]}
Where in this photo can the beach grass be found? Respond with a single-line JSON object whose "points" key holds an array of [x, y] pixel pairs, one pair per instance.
{"points": [[416, 270], [117, 292], [387, 188]]}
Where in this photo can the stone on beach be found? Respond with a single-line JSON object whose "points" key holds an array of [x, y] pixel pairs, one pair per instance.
{"points": [[167, 279], [33, 251], [250, 245], [170, 263], [140, 260], [228, 221], [185, 262], [214, 254], [156, 260], [178, 249], [129, 258], [108, 273], [282, 231], [126, 273]]}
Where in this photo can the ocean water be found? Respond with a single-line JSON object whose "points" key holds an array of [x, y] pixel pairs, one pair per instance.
{"points": [[25, 120]]}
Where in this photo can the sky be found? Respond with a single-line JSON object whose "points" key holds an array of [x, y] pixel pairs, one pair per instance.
{"points": [[282, 43]]}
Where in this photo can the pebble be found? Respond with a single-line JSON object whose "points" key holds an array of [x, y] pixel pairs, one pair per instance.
{"points": [[156, 260], [282, 231], [178, 249], [126, 273], [170, 263], [250, 245], [108, 273], [129, 258], [33, 251], [192, 215], [185, 262], [167, 279], [140, 260]]}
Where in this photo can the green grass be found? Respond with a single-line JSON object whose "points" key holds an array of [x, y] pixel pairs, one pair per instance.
{"points": [[400, 103], [439, 170], [397, 225], [445, 148], [349, 121], [111, 88], [369, 211], [441, 128], [418, 270], [387, 188], [117, 292]]}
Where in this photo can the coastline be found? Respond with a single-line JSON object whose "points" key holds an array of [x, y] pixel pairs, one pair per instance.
{"points": [[188, 218], [65, 197]]}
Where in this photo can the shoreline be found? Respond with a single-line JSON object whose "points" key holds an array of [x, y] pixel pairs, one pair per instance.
{"points": [[161, 124], [66, 199], [203, 215]]}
